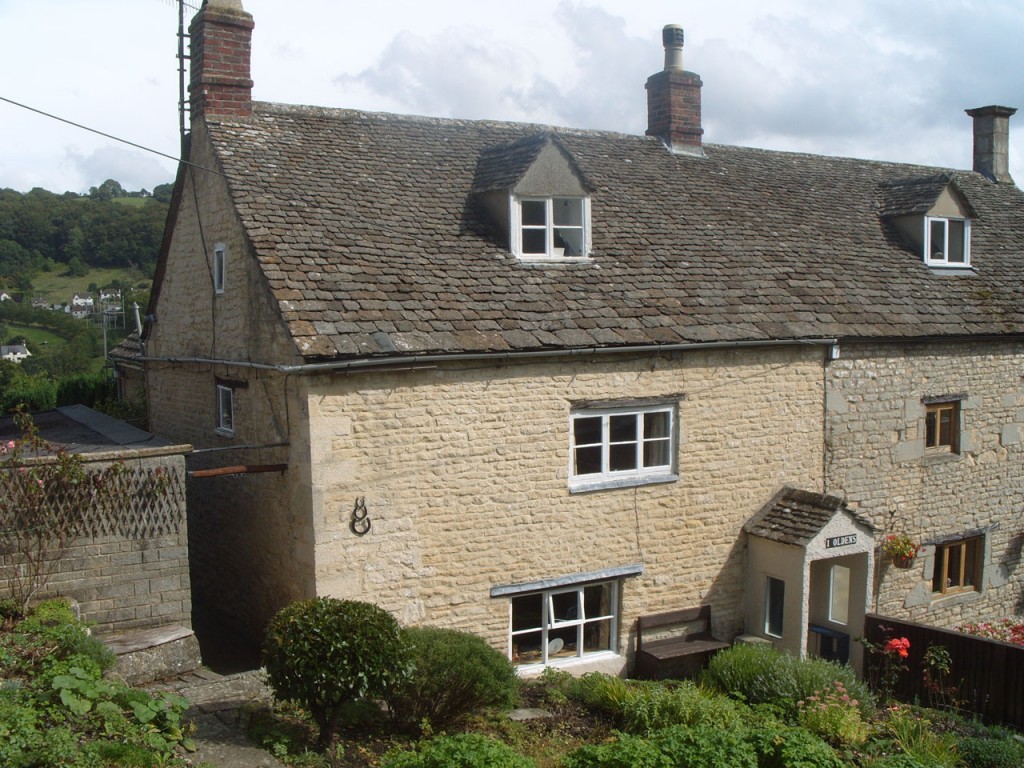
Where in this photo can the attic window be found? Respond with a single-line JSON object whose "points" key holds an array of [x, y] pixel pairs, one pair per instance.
{"points": [[947, 242], [550, 228]]}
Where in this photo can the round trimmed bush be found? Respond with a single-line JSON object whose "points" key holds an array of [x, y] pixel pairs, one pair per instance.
{"points": [[453, 674], [326, 653], [465, 750]]}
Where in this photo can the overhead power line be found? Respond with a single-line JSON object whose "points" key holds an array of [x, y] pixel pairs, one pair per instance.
{"points": [[109, 136]]}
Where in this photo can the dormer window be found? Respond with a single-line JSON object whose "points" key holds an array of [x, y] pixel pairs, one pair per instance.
{"points": [[550, 227], [947, 242]]}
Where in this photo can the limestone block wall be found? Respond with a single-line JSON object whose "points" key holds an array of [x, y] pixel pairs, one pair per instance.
{"points": [[875, 425], [464, 474], [132, 574]]}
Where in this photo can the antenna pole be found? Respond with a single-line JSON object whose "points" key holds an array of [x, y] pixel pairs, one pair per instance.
{"points": [[181, 72]]}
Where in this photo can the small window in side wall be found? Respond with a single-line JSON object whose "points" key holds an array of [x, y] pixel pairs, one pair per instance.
{"points": [[947, 242], [839, 594], [225, 410], [219, 267], [942, 427], [616, 447], [551, 228], [774, 600], [958, 566]]}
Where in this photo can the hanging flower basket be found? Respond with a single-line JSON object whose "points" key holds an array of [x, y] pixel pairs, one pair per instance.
{"points": [[901, 548]]}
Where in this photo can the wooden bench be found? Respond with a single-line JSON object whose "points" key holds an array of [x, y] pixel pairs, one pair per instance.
{"points": [[680, 654]]}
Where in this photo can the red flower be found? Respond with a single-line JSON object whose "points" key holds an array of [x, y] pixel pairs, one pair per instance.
{"points": [[899, 646]]}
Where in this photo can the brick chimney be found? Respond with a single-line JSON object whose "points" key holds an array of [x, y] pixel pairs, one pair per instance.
{"points": [[992, 142], [673, 99], [221, 42]]}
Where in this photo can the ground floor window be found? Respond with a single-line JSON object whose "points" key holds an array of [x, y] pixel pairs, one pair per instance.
{"points": [[957, 566], [774, 598], [839, 594], [564, 623]]}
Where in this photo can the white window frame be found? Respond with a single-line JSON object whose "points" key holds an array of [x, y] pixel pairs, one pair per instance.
{"points": [[225, 396], [550, 250], [220, 259], [608, 477], [550, 624], [838, 607], [931, 260]]}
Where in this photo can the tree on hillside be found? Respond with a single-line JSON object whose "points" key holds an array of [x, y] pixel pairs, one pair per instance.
{"points": [[108, 190]]}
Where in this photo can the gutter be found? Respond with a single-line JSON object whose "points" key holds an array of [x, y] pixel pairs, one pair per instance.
{"points": [[418, 361]]}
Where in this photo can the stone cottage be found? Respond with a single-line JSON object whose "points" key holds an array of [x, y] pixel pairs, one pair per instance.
{"points": [[536, 382]]}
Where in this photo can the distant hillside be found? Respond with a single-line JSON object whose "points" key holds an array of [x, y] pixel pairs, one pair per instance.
{"points": [[45, 233]]}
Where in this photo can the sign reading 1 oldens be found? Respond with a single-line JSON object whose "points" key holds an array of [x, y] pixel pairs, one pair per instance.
{"points": [[841, 541]]}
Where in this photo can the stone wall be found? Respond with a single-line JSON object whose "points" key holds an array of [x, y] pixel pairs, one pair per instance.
{"points": [[128, 575], [464, 473], [877, 458]]}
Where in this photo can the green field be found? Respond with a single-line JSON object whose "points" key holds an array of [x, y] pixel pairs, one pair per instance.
{"points": [[35, 336], [58, 288]]}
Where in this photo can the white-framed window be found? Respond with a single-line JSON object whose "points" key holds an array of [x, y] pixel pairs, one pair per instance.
{"points": [[839, 594], [220, 256], [551, 228], [613, 447], [225, 410], [774, 602], [947, 242], [566, 623]]}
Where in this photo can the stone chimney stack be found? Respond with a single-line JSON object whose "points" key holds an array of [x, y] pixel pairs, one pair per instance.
{"points": [[673, 99], [221, 42], [992, 142]]}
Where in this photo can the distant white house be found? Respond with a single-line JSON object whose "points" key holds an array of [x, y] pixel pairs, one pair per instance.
{"points": [[5, 296], [110, 296], [82, 305], [14, 352]]}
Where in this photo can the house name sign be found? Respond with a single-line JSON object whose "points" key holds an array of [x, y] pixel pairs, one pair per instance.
{"points": [[841, 541]]}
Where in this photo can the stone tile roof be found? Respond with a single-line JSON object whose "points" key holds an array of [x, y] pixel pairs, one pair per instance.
{"points": [[916, 196], [796, 517], [373, 242]]}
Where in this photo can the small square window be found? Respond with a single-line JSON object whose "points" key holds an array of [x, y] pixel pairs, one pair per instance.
{"points": [[219, 267], [225, 410], [958, 566], [551, 227], [947, 242], [627, 446], [942, 427]]}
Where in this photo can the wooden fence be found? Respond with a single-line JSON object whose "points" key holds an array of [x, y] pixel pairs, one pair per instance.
{"points": [[988, 674]]}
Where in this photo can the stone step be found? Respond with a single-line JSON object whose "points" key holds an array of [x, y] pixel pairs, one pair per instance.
{"points": [[153, 653]]}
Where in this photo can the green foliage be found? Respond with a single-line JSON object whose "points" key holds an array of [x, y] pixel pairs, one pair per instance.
{"points": [[833, 715], [758, 673], [654, 707], [58, 710], [991, 751], [916, 738], [325, 653], [467, 750], [603, 693], [676, 747], [793, 748], [85, 389], [454, 674]]}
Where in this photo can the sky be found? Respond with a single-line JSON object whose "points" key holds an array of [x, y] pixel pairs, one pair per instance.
{"points": [[874, 79]]}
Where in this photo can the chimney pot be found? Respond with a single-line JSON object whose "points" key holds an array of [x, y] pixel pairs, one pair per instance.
{"points": [[992, 141], [672, 38]]}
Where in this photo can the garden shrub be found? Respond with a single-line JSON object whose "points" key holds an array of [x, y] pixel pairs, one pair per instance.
{"points": [[757, 673], [653, 707], [833, 715], [793, 748], [991, 752], [467, 750], [453, 674], [605, 693], [679, 746], [325, 653]]}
